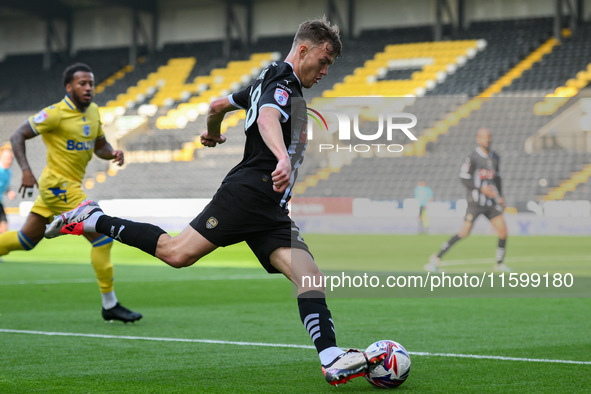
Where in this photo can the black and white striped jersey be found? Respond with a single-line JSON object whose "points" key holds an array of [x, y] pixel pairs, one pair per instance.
{"points": [[278, 87], [480, 169]]}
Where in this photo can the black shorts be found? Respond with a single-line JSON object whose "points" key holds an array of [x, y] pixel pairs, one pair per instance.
{"points": [[2, 213], [239, 213], [475, 210]]}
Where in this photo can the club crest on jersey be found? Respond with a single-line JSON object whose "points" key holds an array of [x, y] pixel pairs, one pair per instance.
{"points": [[41, 116], [59, 193], [486, 174], [281, 96], [86, 130], [211, 223]]}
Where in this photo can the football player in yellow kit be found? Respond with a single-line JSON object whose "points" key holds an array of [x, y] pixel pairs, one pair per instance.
{"points": [[72, 132]]}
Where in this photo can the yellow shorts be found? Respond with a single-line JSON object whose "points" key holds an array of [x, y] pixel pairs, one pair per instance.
{"points": [[57, 195]]}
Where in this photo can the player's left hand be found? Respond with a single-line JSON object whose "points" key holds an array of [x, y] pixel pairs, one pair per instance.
{"points": [[281, 175], [501, 201], [118, 157], [28, 182]]}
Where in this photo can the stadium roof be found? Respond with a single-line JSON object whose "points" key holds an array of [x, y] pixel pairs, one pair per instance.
{"points": [[62, 9]]}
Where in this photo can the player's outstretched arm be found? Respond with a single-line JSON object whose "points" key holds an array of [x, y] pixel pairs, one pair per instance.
{"points": [[215, 115], [17, 140], [105, 151], [467, 173], [270, 128]]}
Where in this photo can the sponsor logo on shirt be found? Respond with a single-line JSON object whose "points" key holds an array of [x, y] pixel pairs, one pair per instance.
{"points": [[74, 145], [41, 116], [281, 96], [486, 174], [284, 87], [304, 135], [465, 168]]}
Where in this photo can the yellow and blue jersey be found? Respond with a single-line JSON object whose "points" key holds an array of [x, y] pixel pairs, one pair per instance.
{"points": [[69, 135]]}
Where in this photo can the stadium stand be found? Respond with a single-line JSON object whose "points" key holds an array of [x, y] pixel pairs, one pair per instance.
{"points": [[526, 177], [508, 42], [521, 74], [431, 60], [27, 86]]}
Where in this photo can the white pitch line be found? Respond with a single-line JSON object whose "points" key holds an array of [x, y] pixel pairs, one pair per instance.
{"points": [[524, 259], [180, 279], [502, 358], [156, 339], [280, 345]]}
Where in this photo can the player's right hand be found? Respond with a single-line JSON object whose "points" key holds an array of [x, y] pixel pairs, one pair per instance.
{"points": [[211, 141]]}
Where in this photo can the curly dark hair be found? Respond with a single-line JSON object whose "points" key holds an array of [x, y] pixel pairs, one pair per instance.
{"points": [[73, 69]]}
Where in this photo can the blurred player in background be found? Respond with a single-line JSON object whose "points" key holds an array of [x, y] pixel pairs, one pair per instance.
{"points": [[481, 176], [72, 132], [5, 174], [251, 203], [423, 194]]}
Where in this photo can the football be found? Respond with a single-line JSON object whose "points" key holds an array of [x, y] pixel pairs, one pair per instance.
{"points": [[394, 370]]}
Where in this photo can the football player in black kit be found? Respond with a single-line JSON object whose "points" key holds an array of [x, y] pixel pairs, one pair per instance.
{"points": [[481, 176], [251, 203]]}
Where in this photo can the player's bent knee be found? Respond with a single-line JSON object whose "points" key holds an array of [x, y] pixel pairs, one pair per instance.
{"points": [[174, 254], [179, 260]]}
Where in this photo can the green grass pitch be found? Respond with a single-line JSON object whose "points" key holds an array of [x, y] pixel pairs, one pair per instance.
{"points": [[52, 338]]}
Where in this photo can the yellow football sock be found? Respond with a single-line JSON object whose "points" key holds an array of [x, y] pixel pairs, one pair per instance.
{"points": [[14, 240], [100, 256]]}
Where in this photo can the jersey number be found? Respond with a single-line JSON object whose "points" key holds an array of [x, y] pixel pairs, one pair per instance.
{"points": [[251, 115]]}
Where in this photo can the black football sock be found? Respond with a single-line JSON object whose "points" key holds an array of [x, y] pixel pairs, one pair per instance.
{"points": [[501, 251], [317, 319], [445, 247], [143, 236]]}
